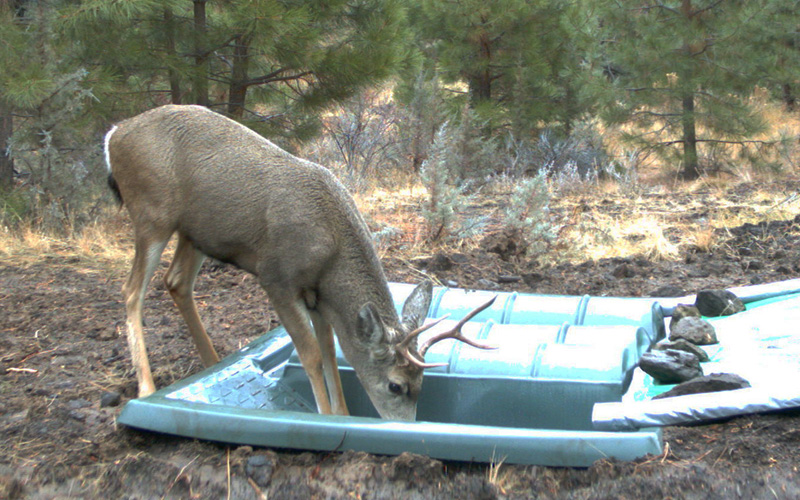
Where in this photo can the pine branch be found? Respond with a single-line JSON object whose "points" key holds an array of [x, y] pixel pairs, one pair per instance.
{"points": [[721, 141]]}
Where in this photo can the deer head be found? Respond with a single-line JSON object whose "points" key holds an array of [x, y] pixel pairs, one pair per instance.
{"points": [[394, 380]]}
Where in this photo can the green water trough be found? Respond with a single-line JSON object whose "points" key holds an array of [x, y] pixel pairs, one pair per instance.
{"points": [[528, 402]]}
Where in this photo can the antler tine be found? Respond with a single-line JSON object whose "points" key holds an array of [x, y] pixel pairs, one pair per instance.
{"points": [[455, 333], [403, 346]]}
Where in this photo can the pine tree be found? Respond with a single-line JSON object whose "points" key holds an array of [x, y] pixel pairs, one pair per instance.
{"points": [[48, 98], [521, 60], [685, 68], [273, 63]]}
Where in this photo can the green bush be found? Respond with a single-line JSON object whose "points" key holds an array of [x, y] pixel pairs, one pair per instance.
{"points": [[528, 212]]}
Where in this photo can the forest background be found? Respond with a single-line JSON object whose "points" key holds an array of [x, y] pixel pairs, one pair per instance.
{"points": [[542, 96]]}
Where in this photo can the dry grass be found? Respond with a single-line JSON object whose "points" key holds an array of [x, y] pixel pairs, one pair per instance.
{"points": [[730, 160], [106, 243], [605, 224]]}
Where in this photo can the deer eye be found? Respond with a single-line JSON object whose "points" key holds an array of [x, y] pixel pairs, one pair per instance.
{"points": [[395, 388]]}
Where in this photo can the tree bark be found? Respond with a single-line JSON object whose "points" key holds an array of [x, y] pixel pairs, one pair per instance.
{"points": [[174, 77], [239, 77], [201, 56], [480, 83], [788, 97], [6, 162], [691, 168]]}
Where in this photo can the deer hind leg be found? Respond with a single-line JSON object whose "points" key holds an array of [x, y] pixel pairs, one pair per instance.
{"points": [[146, 258], [328, 349], [293, 315], [180, 280]]}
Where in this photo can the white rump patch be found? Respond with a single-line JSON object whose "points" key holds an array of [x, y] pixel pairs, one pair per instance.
{"points": [[105, 148]]}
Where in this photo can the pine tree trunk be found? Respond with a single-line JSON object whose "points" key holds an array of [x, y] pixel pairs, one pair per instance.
{"points": [[480, 84], [691, 169], [201, 57], [238, 86], [174, 77], [788, 97], [6, 162]]}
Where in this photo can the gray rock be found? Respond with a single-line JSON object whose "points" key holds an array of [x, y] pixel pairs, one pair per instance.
{"points": [[696, 330], [714, 303], [69, 359], [671, 366], [487, 284], [440, 262], [683, 311], [77, 404], [623, 271], [668, 291], [716, 382], [110, 398], [260, 467], [682, 345]]}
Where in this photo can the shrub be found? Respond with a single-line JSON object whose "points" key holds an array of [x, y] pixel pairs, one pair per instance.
{"points": [[528, 211], [448, 194]]}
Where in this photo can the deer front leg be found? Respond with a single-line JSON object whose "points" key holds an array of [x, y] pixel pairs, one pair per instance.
{"points": [[328, 348], [146, 258], [180, 280], [294, 317]]}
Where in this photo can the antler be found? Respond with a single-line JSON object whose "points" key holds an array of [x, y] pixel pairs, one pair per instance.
{"points": [[454, 333]]}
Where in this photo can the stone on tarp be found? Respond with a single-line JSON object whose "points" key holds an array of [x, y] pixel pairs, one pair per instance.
{"points": [[671, 366], [695, 330], [714, 303], [683, 311], [682, 345], [715, 382]]}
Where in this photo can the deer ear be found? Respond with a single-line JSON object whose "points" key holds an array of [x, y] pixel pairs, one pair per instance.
{"points": [[370, 327], [415, 309]]}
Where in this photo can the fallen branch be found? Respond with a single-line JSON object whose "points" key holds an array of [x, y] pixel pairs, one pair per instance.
{"points": [[24, 370]]}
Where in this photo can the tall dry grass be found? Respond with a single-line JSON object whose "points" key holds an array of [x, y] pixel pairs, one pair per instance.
{"points": [[106, 243]]}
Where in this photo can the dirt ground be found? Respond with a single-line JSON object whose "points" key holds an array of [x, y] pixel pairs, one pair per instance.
{"points": [[62, 348]]}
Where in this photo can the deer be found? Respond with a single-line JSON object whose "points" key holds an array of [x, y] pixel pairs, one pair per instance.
{"points": [[232, 195]]}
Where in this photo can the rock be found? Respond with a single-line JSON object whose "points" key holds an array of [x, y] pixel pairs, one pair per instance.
{"points": [[68, 360], [623, 271], [8, 420], [716, 382], [76, 415], [110, 398], [508, 244], [696, 330], [682, 345], [670, 366], [412, 467], [77, 404], [668, 291], [487, 284], [260, 467], [698, 273], [532, 279], [459, 258], [718, 303], [440, 262], [754, 265], [683, 311]]}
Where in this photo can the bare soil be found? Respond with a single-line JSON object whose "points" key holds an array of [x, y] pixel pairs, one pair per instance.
{"points": [[62, 347]]}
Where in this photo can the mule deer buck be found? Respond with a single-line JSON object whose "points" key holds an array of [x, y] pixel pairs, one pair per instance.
{"points": [[232, 195]]}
